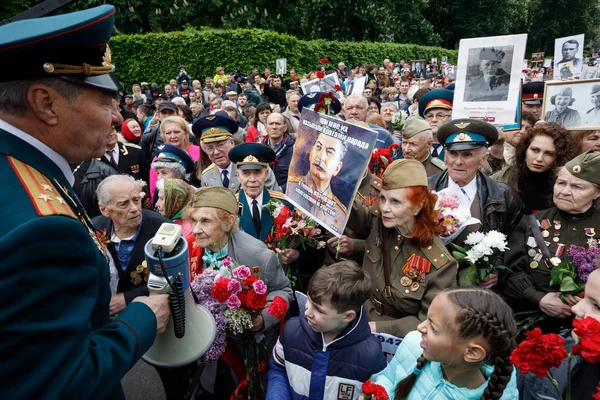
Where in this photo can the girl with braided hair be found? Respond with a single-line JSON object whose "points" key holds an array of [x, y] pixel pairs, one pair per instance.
{"points": [[461, 351]]}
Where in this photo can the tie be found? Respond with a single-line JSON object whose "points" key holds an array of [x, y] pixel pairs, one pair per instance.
{"points": [[111, 159], [225, 179], [435, 152], [256, 217]]}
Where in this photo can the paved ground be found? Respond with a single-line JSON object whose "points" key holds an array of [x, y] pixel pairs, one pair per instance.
{"points": [[143, 383]]}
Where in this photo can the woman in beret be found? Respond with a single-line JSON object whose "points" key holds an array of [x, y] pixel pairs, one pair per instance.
{"points": [[406, 259], [539, 154], [542, 240]]}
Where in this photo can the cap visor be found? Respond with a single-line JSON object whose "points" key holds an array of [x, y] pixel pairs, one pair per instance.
{"points": [[533, 102], [250, 166], [105, 82], [464, 146]]}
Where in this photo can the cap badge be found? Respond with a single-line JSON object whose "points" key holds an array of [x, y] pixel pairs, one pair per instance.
{"points": [[463, 137], [535, 96], [106, 58], [49, 68], [311, 95], [249, 159], [577, 169], [462, 125], [210, 118]]}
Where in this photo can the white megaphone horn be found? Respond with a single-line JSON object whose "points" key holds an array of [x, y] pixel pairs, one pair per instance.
{"points": [[191, 328]]}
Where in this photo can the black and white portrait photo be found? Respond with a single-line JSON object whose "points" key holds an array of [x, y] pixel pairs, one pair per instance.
{"points": [[488, 75], [568, 49], [281, 66], [418, 69], [573, 104], [327, 84]]}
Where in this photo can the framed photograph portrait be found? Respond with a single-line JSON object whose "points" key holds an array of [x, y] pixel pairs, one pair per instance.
{"points": [[568, 49], [281, 66], [589, 72], [327, 84], [417, 68], [573, 104], [488, 78], [537, 57]]}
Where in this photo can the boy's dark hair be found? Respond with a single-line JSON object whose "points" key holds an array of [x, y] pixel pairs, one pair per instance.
{"points": [[481, 313], [145, 109], [529, 117], [420, 93], [347, 284]]}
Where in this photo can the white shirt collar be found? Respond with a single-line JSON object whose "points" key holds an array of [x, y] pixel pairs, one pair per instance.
{"points": [[55, 157], [470, 188], [259, 200], [228, 169]]}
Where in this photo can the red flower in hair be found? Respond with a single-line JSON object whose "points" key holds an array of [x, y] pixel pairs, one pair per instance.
{"points": [[588, 331], [278, 307], [324, 60], [371, 389], [219, 290], [538, 353], [338, 88], [320, 74]]}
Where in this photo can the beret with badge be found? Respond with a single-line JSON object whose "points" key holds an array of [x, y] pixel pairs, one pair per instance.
{"points": [[404, 173], [252, 156], [72, 47], [215, 197], [438, 98], [214, 128], [413, 126], [466, 134], [586, 166]]}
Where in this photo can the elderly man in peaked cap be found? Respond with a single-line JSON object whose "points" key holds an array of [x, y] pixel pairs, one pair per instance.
{"points": [[57, 340], [532, 98], [495, 204]]}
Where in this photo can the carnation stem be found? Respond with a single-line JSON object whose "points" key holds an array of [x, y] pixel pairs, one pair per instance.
{"points": [[555, 383], [338, 249]]}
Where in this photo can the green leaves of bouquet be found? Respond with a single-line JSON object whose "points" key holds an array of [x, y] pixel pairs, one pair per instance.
{"points": [[565, 276]]}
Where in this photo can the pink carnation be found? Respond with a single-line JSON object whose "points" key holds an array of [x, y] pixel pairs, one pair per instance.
{"points": [[234, 286], [241, 272], [233, 302], [226, 262], [259, 287]]}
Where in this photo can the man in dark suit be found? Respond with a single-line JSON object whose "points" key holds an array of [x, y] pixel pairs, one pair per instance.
{"points": [[126, 158], [127, 229]]}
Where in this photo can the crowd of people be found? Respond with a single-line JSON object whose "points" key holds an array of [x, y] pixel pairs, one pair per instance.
{"points": [[92, 170]]}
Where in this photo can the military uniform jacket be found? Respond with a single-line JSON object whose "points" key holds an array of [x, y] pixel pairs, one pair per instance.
{"points": [[567, 118], [525, 286], [433, 165], [132, 161], [592, 117], [133, 280], [54, 315], [212, 177], [412, 304], [266, 219]]}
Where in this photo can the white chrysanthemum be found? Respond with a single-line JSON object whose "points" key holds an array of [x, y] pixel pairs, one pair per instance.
{"points": [[473, 255], [474, 238], [226, 272], [495, 239], [484, 249]]}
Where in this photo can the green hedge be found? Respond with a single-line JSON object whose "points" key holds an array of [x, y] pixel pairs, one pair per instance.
{"points": [[156, 57]]}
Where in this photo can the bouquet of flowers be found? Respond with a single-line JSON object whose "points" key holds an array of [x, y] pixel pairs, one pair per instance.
{"points": [[539, 353], [382, 158], [374, 391], [236, 295], [398, 120], [452, 216], [481, 255]]}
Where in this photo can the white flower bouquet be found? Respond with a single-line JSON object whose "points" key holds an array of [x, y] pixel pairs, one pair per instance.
{"points": [[481, 253]]}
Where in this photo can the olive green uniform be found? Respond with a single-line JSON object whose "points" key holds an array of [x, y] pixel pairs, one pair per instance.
{"points": [[529, 280], [433, 165], [408, 304]]}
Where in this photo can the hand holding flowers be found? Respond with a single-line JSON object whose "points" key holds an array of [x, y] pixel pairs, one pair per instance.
{"points": [[481, 254]]}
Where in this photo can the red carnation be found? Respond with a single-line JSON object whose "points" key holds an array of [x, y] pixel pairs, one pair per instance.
{"points": [[254, 301], [324, 60], [320, 74], [588, 332], [321, 107], [538, 353], [596, 396], [535, 71], [525, 71], [338, 88], [249, 281], [278, 307], [219, 290], [371, 389]]}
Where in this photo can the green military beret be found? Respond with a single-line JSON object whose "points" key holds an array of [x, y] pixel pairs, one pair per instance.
{"points": [[404, 173], [466, 134], [413, 126], [586, 166], [215, 197]]}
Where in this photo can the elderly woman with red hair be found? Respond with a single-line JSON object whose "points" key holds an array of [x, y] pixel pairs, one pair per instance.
{"points": [[408, 263]]}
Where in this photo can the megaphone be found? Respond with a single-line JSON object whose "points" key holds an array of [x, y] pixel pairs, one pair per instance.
{"points": [[191, 327]]}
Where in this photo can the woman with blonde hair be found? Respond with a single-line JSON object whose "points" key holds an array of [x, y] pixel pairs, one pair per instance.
{"points": [[137, 93], [175, 131]]}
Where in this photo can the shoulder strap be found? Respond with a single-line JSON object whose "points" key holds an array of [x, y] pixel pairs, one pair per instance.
{"points": [[276, 195], [436, 254], [535, 229]]}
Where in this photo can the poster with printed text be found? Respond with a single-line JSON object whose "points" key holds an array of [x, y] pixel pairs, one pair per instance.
{"points": [[327, 166], [489, 78]]}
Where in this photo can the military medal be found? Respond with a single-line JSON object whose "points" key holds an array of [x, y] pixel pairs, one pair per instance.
{"points": [[405, 281], [532, 244], [557, 225], [414, 272], [591, 232], [545, 225], [534, 264], [532, 252], [414, 287], [560, 249]]}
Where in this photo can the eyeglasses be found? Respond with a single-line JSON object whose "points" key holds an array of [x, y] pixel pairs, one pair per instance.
{"points": [[440, 116], [211, 148]]}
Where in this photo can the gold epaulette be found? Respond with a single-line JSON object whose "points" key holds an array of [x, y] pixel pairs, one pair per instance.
{"points": [[137, 146], [237, 196], [43, 194], [209, 167], [437, 254], [294, 179], [276, 195]]}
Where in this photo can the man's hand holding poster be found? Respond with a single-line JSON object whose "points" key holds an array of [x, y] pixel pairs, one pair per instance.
{"points": [[330, 157]]}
